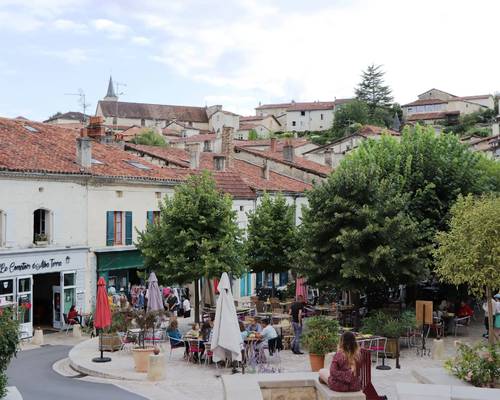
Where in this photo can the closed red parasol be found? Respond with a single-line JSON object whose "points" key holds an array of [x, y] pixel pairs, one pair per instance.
{"points": [[102, 317]]}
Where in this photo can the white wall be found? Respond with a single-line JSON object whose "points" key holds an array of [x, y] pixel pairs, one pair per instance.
{"points": [[220, 119], [66, 201], [313, 120]]}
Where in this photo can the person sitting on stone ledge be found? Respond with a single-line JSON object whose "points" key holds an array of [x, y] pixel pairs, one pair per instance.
{"points": [[343, 376]]}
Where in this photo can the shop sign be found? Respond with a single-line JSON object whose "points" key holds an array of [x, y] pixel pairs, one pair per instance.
{"points": [[26, 267]]}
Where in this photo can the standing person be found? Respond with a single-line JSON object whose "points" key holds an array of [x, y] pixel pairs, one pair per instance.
{"points": [[296, 311], [172, 304], [486, 315], [496, 324], [186, 306]]}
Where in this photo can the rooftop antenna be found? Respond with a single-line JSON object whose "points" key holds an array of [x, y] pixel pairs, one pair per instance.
{"points": [[118, 93], [82, 101]]}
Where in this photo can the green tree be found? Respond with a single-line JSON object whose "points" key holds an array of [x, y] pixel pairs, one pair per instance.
{"points": [[196, 237], [354, 112], [374, 220], [150, 138], [372, 89], [9, 339], [253, 135], [469, 252], [271, 240]]}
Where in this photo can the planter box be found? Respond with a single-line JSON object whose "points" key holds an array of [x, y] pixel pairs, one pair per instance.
{"points": [[111, 342], [392, 347]]}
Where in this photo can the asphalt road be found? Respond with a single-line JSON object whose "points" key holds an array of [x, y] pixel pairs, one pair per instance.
{"points": [[31, 372]]}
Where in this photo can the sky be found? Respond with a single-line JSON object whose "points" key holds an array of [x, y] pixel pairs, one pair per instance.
{"points": [[239, 52]]}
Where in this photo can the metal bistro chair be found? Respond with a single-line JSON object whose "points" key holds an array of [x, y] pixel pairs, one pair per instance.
{"points": [[175, 344], [127, 342], [463, 322], [67, 324], [378, 345]]}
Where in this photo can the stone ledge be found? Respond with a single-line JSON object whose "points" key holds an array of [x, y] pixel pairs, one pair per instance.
{"points": [[436, 376], [13, 394], [416, 391]]}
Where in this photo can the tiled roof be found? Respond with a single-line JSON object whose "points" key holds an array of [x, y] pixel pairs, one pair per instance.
{"points": [[313, 106], [153, 111], [73, 115], [476, 97], [252, 118], [377, 130], [423, 102], [298, 162], [194, 138], [28, 146], [295, 142], [431, 115], [132, 132], [172, 155]]}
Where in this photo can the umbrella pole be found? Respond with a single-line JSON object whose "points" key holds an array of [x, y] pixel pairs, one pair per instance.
{"points": [[101, 359]]}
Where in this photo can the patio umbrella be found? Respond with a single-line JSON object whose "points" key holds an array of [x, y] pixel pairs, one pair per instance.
{"points": [[226, 338], [155, 302], [102, 317], [300, 288]]}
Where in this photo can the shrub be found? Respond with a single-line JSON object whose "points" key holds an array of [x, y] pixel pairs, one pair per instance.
{"points": [[9, 339], [383, 324], [479, 364], [321, 335]]}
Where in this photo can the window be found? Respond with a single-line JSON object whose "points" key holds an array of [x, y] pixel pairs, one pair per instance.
{"points": [[190, 123], [116, 235], [206, 146], [321, 117], [294, 123], [242, 208], [153, 217], [7, 290], [115, 121], [143, 122], [41, 224], [302, 113], [137, 165], [31, 129]]}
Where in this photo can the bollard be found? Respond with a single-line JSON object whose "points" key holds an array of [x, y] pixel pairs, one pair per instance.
{"points": [[438, 349], [37, 337], [77, 331], [156, 367]]}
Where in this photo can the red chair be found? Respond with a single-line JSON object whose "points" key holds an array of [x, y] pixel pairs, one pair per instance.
{"points": [[365, 371], [194, 349], [378, 345]]}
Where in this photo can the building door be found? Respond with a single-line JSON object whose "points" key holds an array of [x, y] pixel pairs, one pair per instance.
{"points": [[25, 305], [68, 284]]}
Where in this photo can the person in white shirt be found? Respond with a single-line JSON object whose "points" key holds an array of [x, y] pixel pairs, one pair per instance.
{"points": [[486, 315], [186, 305], [268, 331]]}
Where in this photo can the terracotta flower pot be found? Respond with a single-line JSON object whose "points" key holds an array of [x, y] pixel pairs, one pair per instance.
{"points": [[317, 361], [141, 358]]}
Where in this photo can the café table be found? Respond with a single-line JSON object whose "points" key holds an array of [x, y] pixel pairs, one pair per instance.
{"points": [[252, 351]]}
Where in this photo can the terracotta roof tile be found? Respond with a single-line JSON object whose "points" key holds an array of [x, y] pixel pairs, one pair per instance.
{"points": [[431, 115], [313, 106], [153, 111], [195, 138], [172, 155], [377, 130], [423, 102]]}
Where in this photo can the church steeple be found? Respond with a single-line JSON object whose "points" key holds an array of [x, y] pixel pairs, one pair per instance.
{"points": [[110, 95]]}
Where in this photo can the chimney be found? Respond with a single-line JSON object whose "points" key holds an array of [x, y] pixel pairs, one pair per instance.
{"points": [[273, 145], [227, 144], [219, 163], [95, 128], [329, 157], [288, 151], [265, 170], [193, 150], [84, 150]]}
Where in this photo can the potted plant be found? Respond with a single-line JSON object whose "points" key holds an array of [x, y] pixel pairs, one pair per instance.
{"points": [[320, 338], [110, 338], [41, 239], [383, 324], [145, 320]]}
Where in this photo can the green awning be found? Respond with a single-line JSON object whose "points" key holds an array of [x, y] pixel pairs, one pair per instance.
{"points": [[114, 260]]}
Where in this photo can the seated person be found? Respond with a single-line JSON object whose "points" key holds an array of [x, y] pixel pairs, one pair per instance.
{"points": [[243, 331], [464, 310], [343, 376], [254, 326], [174, 334], [73, 316], [206, 330], [194, 332], [268, 331]]}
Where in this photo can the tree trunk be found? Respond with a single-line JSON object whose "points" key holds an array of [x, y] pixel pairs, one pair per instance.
{"points": [[272, 284], [196, 301], [491, 331]]}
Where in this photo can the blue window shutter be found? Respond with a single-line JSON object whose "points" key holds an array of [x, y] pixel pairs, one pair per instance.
{"points": [[110, 228], [249, 284], [258, 279], [283, 278], [128, 227], [242, 286], [150, 217]]}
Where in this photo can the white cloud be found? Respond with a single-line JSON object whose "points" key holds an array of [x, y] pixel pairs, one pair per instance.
{"points": [[318, 52], [70, 25], [141, 40], [113, 29], [74, 56]]}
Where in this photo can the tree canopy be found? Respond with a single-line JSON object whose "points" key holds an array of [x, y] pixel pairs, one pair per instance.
{"points": [[196, 236], [469, 252], [372, 89], [271, 240], [374, 219], [150, 138]]}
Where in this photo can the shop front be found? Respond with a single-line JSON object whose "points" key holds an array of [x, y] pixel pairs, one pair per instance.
{"points": [[42, 285], [121, 268]]}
